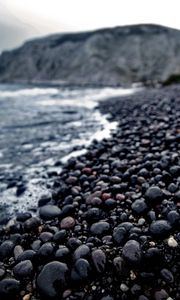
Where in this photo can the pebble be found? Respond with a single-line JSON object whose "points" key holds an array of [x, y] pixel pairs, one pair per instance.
{"points": [[160, 228], [139, 206], [132, 252], [99, 260], [172, 242], [49, 212], [23, 269], [153, 195], [9, 288], [67, 223], [52, 279], [62, 254], [32, 224], [6, 249], [81, 270], [124, 288], [167, 275], [100, 228], [119, 235], [81, 252]]}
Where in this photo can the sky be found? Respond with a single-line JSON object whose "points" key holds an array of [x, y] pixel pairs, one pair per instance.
{"points": [[25, 19]]}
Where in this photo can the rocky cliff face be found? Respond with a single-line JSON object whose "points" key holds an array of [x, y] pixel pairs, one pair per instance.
{"points": [[116, 56]]}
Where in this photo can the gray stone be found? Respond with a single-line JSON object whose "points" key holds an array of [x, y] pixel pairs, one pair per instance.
{"points": [[52, 279]]}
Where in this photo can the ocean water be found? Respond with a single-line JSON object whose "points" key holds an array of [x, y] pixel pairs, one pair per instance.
{"points": [[40, 129]]}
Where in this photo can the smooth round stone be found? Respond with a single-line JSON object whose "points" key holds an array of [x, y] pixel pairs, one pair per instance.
{"points": [[46, 250], [132, 252], [173, 217], [9, 288], [60, 236], [67, 223], [73, 243], [93, 215], [119, 265], [124, 288], [139, 206], [6, 249], [81, 252], [49, 212], [46, 237], [99, 260], [100, 228], [23, 269], [119, 235], [27, 255], [81, 270], [172, 242], [32, 224], [160, 228], [52, 280], [22, 217], [17, 251], [167, 275], [153, 195], [62, 254], [161, 295]]}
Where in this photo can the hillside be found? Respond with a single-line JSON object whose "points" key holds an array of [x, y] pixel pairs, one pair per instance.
{"points": [[115, 56]]}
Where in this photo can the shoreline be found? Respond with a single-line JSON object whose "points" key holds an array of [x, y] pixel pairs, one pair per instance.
{"points": [[106, 232]]}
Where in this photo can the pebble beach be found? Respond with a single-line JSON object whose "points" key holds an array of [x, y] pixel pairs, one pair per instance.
{"points": [[110, 228]]}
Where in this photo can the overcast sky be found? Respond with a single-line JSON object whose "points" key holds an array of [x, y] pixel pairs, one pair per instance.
{"points": [[25, 19]]}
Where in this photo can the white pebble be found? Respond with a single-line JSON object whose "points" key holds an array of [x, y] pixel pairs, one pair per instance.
{"points": [[172, 242], [124, 287]]}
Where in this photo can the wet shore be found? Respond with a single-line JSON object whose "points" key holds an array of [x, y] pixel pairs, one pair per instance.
{"points": [[110, 229]]}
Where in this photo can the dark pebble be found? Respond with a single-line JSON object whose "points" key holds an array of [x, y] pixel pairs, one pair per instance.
{"points": [[160, 228], [100, 228], [99, 260], [139, 206], [119, 235], [23, 269], [9, 288], [167, 275], [153, 195], [32, 224], [81, 252], [52, 279], [62, 254], [22, 217], [6, 249], [27, 255], [81, 270], [132, 252], [49, 212]]}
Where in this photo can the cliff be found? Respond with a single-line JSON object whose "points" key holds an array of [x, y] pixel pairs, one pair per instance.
{"points": [[114, 56]]}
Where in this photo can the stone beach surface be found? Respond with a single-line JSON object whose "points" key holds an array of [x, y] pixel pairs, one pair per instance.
{"points": [[110, 229]]}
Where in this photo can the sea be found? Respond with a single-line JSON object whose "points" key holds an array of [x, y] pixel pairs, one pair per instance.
{"points": [[40, 129]]}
